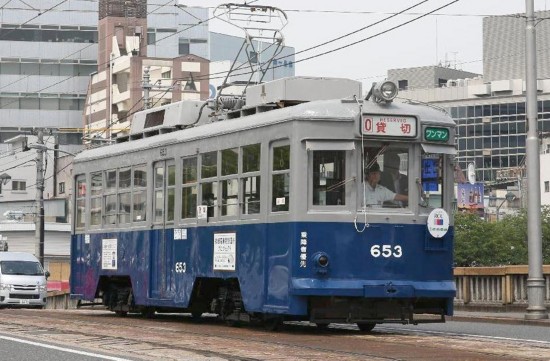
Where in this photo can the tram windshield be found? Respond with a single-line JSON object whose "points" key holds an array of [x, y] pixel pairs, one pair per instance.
{"points": [[386, 176]]}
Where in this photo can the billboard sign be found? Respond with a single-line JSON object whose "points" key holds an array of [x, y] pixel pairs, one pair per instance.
{"points": [[470, 198]]}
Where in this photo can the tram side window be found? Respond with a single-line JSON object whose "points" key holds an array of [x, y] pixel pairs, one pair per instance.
{"points": [[230, 187], [189, 188], [329, 172], [432, 180], [210, 198], [280, 198], [159, 194], [110, 197], [96, 191], [170, 193], [80, 221], [209, 189], [139, 193], [250, 183], [124, 201]]}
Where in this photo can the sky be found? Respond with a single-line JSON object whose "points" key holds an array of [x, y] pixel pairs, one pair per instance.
{"points": [[451, 36]]}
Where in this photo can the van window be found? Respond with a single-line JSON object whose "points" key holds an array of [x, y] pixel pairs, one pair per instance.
{"points": [[26, 268]]}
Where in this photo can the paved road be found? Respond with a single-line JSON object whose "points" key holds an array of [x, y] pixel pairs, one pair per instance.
{"points": [[15, 348], [177, 337]]}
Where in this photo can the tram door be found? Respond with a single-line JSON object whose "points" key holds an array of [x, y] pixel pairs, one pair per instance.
{"points": [[163, 216]]}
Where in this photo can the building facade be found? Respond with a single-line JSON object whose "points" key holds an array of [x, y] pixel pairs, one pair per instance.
{"points": [[428, 77], [47, 54], [490, 111], [504, 46]]}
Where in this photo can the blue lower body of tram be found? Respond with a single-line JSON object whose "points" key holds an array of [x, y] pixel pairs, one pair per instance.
{"points": [[322, 272]]}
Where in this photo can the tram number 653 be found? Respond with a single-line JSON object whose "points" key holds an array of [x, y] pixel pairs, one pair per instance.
{"points": [[386, 251], [181, 267]]}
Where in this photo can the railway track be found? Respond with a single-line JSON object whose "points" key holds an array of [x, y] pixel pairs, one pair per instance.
{"points": [[176, 337]]}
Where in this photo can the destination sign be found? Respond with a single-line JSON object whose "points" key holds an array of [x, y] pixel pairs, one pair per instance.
{"points": [[389, 126]]}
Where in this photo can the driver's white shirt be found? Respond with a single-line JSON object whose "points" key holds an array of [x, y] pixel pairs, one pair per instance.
{"points": [[376, 197]]}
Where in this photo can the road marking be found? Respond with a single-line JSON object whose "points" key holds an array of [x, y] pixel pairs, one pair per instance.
{"points": [[58, 348]]}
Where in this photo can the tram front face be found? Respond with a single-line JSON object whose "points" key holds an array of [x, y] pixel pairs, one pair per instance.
{"points": [[386, 240]]}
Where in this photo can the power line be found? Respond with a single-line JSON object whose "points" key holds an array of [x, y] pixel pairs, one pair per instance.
{"points": [[350, 44]]}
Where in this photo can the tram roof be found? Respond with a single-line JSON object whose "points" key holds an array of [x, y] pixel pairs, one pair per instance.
{"points": [[334, 110]]}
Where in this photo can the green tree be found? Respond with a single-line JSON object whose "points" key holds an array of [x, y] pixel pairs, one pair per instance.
{"points": [[470, 240], [479, 243]]}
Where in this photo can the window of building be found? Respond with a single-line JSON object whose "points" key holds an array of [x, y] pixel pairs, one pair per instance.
{"points": [[546, 186], [403, 84], [61, 188], [253, 56], [151, 39], [183, 46], [441, 82], [18, 185]]}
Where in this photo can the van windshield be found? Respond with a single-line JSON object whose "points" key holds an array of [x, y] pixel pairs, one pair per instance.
{"points": [[27, 268]]}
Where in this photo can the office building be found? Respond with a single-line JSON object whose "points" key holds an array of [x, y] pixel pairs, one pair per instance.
{"points": [[490, 110]]}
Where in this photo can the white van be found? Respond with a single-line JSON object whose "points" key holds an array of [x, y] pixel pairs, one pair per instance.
{"points": [[22, 280]]}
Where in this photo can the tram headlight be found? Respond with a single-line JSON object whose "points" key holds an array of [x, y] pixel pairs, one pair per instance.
{"points": [[321, 262], [384, 91]]}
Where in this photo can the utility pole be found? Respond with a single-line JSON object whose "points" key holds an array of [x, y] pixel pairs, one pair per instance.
{"points": [[39, 220], [535, 280]]}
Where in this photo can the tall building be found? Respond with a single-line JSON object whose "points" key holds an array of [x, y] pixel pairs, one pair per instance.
{"points": [[48, 50], [116, 90], [490, 110], [504, 46]]}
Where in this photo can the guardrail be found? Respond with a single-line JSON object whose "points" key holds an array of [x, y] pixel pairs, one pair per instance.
{"points": [[495, 286], [475, 286]]}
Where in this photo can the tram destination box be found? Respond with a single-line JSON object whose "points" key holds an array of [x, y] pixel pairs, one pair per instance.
{"points": [[302, 89]]}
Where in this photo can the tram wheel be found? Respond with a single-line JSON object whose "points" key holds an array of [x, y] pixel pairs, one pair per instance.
{"points": [[322, 325], [148, 312], [196, 316], [121, 313], [273, 323], [366, 326]]}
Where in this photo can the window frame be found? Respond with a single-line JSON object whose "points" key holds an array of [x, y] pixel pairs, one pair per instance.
{"points": [[347, 158], [278, 172]]}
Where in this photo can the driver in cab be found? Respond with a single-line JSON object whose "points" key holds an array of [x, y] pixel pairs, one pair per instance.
{"points": [[377, 194]]}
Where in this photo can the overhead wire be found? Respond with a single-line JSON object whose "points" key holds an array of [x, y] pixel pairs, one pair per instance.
{"points": [[352, 43], [300, 60]]}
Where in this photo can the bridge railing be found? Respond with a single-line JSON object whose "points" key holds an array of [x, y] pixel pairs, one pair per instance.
{"points": [[493, 286]]}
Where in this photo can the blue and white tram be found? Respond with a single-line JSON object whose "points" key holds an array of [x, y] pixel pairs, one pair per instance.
{"points": [[264, 215]]}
